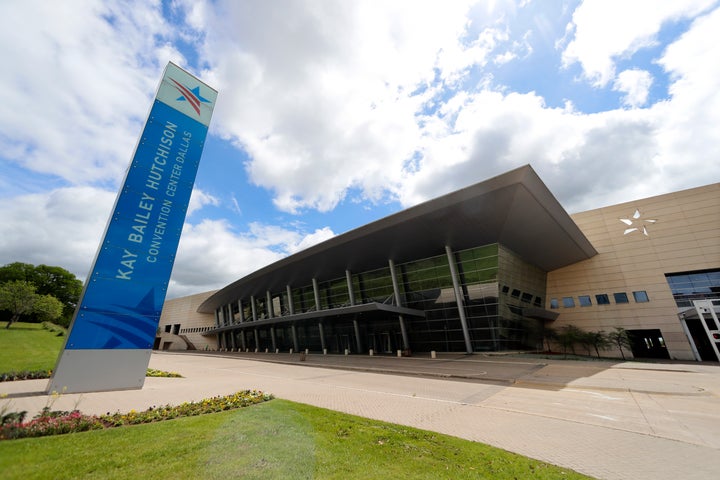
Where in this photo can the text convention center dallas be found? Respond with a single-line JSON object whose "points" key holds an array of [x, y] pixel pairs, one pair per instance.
{"points": [[486, 268]]}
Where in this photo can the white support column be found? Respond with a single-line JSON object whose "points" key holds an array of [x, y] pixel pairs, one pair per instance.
{"points": [[316, 292], [322, 336], [217, 317], [398, 302], [291, 307], [459, 299], [268, 300], [295, 339], [351, 293], [358, 341], [272, 339], [241, 315], [254, 311], [257, 340], [232, 340], [242, 340]]}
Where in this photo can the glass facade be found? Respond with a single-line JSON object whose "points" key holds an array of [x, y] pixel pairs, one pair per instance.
{"points": [[689, 286], [494, 284]]}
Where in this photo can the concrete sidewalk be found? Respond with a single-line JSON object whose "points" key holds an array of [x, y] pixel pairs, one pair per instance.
{"points": [[626, 420]]}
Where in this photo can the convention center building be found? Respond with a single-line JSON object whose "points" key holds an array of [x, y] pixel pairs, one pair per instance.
{"points": [[488, 268]]}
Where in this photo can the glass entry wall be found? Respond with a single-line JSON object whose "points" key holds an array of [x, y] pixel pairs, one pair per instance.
{"points": [[478, 269], [427, 285], [495, 285]]}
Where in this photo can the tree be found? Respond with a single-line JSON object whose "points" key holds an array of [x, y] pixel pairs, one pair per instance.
{"points": [[47, 308], [18, 297], [568, 336], [48, 280], [549, 334], [597, 340], [620, 338]]}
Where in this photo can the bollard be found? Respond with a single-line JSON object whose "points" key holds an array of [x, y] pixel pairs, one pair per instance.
{"points": [[277, 350], [324, 351], [372, 352], [399, 353], [266, 350], [291, 351], [347, 351], [432, 354]]}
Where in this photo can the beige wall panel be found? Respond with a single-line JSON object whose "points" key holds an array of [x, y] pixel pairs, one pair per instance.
{"points": [[183, 311], [685, 237]]}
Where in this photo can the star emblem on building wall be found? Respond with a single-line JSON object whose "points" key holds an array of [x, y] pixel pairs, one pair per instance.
{"points": [[637, 224]]}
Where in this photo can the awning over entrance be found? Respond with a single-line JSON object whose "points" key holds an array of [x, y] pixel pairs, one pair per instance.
{"points": [[540, 314], [332, 312]]}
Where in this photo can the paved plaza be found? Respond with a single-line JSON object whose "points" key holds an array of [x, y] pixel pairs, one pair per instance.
{"points": [[624, 420]]}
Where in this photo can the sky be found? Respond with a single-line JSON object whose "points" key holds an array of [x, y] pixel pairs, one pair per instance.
{"points": [[333, 114]]}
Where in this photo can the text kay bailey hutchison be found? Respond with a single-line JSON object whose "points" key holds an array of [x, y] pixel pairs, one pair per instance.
{"points": [[150, 220]]}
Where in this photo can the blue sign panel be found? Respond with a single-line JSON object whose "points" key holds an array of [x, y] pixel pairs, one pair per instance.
{"points": [[123, 297]]}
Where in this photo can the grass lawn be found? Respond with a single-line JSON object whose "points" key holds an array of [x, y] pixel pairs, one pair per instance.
{"points": [[28, 346], [274, 440]]}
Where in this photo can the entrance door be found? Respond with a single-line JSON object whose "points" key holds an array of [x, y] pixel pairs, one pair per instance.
{"points": [[385, 343], [701, 340], [345, 343], [648, 344], [703, 325]]}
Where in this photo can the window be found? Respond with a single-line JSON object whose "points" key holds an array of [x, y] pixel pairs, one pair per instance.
{"points": [[167, 328], [527, 297], [537, 302], [641, 296], [697, 285], [568, 302], [505, 289], [602, 299], [515, 293], [554, 303], [620, 297], [585, 300]]}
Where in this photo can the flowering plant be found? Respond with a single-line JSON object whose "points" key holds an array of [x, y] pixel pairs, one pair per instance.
{"points": [[52, 422]]}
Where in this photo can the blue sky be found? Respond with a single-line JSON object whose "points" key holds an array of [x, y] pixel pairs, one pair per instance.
{"points": [[334, 114]]}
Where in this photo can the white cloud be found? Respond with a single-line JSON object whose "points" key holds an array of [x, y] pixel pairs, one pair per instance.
{"points": [[332, 103], [77, 83], [605, 30], [575, 154], [687, 135], [63, 227], [212, 255], [636, 86], [199, 199]]}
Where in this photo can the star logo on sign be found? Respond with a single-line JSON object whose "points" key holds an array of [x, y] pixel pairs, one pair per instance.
{"points": [[192, 96], [636, 223]]}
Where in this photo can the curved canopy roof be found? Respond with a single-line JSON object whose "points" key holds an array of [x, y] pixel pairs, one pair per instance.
{"points": [[514, 209]]}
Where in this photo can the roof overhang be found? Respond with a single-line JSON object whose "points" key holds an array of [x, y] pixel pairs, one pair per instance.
{"points": [[514, 209], [351, 310]]}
